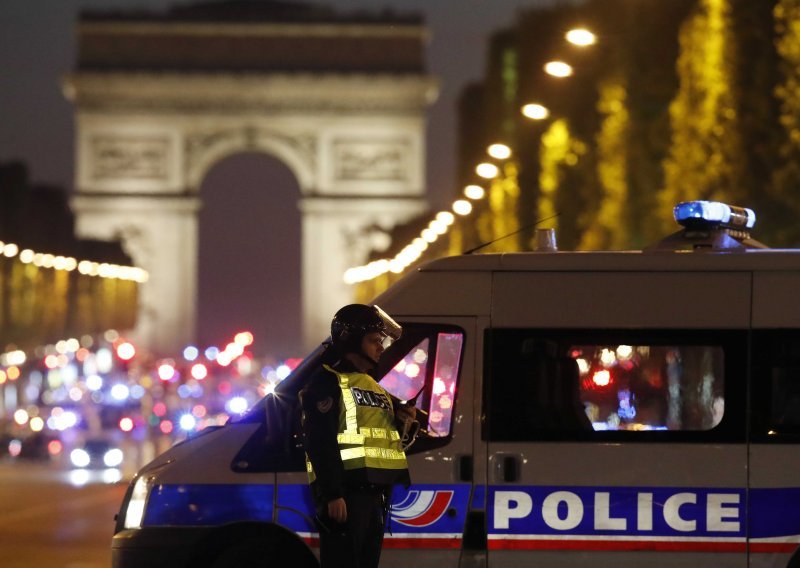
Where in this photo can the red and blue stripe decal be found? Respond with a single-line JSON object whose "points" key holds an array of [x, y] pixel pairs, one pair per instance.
{"points": [[422, 507], [531, 518]]}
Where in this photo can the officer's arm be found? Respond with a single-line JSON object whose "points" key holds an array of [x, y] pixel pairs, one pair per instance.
{"points": [[402, 412], [320, 402]]}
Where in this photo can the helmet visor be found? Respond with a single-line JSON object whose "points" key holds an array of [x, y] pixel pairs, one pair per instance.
{"points": [[391, 328]]}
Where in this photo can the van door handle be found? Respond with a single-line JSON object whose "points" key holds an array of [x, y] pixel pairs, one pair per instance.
{"points": [[510, 469], [465, 468]]}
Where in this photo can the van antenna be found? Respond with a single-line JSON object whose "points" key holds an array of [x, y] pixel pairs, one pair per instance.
{"points": [[480, 246]]}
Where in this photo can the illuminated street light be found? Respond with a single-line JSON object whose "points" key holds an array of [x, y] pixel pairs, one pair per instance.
{"points": [[437, 227], [499, 151], [535, 111], [10, 250], [462, 207], [487, 170], [445, 217], [581, 37], [429, 235], [474, 192], [558, 69]]}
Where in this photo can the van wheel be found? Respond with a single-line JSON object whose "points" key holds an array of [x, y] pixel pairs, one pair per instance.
{"points": [[253, 552], [261, 552]]}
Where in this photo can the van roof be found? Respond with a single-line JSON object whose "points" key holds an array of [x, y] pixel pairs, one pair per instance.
{"points": [[481, 284], [748, 259]]}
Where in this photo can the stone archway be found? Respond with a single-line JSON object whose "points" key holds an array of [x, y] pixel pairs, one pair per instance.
{"points": [[160, 100], [249, 257]]}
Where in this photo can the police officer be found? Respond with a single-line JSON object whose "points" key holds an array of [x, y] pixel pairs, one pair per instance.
{"points": [[353, 450]]}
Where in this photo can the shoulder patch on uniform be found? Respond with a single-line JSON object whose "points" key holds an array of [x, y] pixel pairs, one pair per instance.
{"points": [[325, 404]]}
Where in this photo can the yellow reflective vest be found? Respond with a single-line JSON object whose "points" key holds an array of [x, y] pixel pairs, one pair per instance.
{"points": [[367, 436]]}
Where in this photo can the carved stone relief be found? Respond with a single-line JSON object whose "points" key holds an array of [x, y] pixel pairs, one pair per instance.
{"points": [[204, 146], [136, 242], [130, 157], [371, 160]]}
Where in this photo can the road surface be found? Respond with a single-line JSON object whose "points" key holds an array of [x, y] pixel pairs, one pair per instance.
{"points": [[56, 518]]}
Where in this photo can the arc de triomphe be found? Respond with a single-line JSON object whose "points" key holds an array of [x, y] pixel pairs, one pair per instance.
{"points": [[159, 99]]}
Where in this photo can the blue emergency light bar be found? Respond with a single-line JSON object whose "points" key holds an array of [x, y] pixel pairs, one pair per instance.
{"points": [[713, 214]]}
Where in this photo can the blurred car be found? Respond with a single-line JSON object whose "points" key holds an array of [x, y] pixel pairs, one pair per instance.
{"points": [[96, 454], [34, 447]]}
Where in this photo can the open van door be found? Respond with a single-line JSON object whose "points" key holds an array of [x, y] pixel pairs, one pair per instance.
{"points": [[433, 363]]}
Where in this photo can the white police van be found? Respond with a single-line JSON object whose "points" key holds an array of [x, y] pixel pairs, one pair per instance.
{"points": [[583, 409]]}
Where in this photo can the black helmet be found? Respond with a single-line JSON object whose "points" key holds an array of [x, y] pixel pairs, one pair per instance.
{"points": [[351, 323]]}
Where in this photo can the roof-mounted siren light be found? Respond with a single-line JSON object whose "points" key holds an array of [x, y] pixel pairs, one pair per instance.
{"points": [[709, 215], [711, 225]]}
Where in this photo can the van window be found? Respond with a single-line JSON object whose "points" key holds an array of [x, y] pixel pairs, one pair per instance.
{"points": [[776, 385], [406, 379], [580, 384], [424, 366]]}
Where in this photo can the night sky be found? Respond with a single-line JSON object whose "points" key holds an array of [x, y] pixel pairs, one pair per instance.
{"points": [[249, 236]]}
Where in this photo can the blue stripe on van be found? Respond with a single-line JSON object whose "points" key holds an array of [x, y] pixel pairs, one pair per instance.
{"points": [[419, 509], [774, 512], [296, 508], [208, 504]]}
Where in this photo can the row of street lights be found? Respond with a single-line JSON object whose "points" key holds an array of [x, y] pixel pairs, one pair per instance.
{"points": [[439, 226], [580, 37], [487, 170]]}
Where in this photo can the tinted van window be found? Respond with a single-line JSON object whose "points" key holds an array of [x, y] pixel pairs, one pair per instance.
{"points": [[776, 385], [577, 384]]}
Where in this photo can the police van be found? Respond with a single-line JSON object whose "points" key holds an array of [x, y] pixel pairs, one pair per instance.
{"points": [[578, 409]]}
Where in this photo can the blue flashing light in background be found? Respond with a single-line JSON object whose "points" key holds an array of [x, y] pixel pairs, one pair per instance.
{"points": [[120, 392], [94, 382], [62, 420], [211, 353], [187, 422], [69, 374], [237, 405], [104, 360], [191, 353], [283, 371], [709, 214]]}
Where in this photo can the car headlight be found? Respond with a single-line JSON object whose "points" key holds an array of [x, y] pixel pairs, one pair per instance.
{"points": [[134, 513], [80, 457], [113, 457]]}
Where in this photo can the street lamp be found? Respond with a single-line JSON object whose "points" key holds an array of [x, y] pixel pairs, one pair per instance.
{"points": [[558, 69], [487, 170], [499, 151], [474, 191], [535, 111], [581, 37], [462, 207]]}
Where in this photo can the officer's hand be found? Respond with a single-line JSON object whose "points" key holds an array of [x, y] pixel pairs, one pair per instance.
{"points": [[406, 413], [337, 510]]}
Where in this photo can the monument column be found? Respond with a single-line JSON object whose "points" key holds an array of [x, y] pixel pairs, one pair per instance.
{"points": [[335, 225], [160, 235]]}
